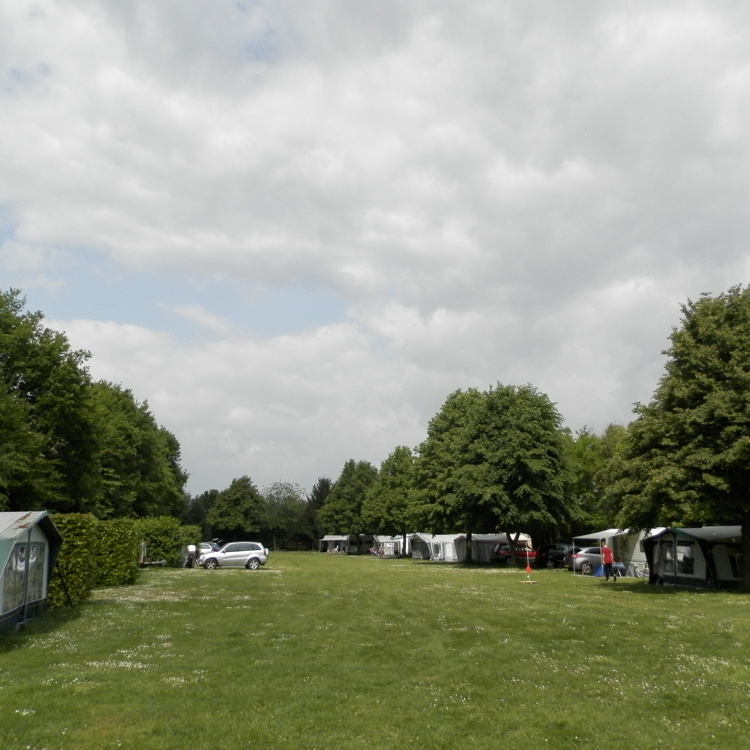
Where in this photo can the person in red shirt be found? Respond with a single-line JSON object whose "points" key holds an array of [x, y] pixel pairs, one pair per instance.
{"points": [[607, 560]]}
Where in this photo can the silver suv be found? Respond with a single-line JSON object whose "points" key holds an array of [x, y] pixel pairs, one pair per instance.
{"points": [[250, 555]]}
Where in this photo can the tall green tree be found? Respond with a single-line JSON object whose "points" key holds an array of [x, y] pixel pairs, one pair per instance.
{"points": [[386, 507], [493, 461], [342, 511], [238, 511], [687, 455], [38, 367], [25, 475], [139, 461]]}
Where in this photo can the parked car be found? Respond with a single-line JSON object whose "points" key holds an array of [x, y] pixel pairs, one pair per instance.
{"points": [[583, 559], [208, 547], [250, 555], [552, 555], [501, 553]]}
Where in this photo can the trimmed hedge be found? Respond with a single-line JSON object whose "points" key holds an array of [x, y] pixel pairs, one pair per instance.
{"points": [[75, 570], [117, 552], [166, 538]]}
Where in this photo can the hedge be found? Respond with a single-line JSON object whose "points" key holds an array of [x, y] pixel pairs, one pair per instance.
{"points": [[117, 552], [75, 570], [166, 538]]}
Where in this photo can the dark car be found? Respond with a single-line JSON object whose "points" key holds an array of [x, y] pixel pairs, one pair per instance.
{"points": [[552, 555], [501, 553]]}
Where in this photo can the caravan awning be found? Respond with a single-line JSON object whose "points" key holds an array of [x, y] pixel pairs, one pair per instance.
{"points": [[730, 534]]}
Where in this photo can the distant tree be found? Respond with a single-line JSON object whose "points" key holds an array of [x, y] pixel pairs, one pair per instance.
{"points": [[686, 459], [286, 516], [238, 511], [315, 501], [342, 511], [588, 459], [493, 461], [386, 507], [197, 509]]}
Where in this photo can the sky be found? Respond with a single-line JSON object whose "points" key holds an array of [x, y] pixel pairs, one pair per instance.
{"points": [[293, 228]]}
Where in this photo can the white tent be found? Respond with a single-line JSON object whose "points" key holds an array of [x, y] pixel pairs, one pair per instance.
{"points": [[452, 547], [393, 546], [626, 546]]}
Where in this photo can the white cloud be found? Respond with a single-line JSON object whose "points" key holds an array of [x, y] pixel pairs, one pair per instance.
{"points": [[496, 192]]}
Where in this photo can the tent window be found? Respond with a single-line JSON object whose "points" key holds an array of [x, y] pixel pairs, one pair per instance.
{"points": [[36, 571], [735, 560], [667, 557], [14, 578], [685, 558], [15, 572]]}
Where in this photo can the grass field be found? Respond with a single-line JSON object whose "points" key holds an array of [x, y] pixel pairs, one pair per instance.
{"points": [[319, 651]]}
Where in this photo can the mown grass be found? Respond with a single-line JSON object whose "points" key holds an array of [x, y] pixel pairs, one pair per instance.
{"points": [[318, 651]]}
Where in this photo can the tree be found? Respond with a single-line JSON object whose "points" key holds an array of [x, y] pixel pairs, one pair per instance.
{"points": [[588, 459], [238, 511], [386, 506], [493, 461], [139, 461], [342, 511], [315, 501], [686, 458], [286, 515], [197, 509], [24, 473], [38, 367]]}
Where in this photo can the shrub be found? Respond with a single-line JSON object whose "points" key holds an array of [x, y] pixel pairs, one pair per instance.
{"points": [[75, 571], [164, 538], [117, 552]]}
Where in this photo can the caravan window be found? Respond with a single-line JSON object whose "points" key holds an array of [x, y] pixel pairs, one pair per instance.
{"points": [[667, 557], [685, 558]]}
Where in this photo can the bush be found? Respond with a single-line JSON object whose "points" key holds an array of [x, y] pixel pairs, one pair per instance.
{"points": [[75, 571], [165, 539], [117, 552]]}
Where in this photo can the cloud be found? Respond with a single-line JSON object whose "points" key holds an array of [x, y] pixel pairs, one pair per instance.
{"points": [[321, 218], [204, 318], [287, 409]]}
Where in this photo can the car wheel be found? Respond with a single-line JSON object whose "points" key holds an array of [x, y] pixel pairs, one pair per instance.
{"points": [[210, 564], [586, 568], [253, 563]]}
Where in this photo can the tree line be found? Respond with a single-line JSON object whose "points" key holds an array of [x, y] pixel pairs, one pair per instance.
{"points": [[492, 460]]}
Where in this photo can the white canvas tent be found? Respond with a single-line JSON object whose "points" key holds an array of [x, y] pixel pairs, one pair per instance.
{"points": [[626, 546], [350, 544], [707, 557], [29, 543], [393, 546], [453, 548]]}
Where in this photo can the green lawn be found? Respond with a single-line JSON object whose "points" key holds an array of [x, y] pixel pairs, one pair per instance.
{"points": [[319, 651]]}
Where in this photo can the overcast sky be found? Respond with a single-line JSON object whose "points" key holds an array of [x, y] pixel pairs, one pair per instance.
{"points": [[295, 227]]}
